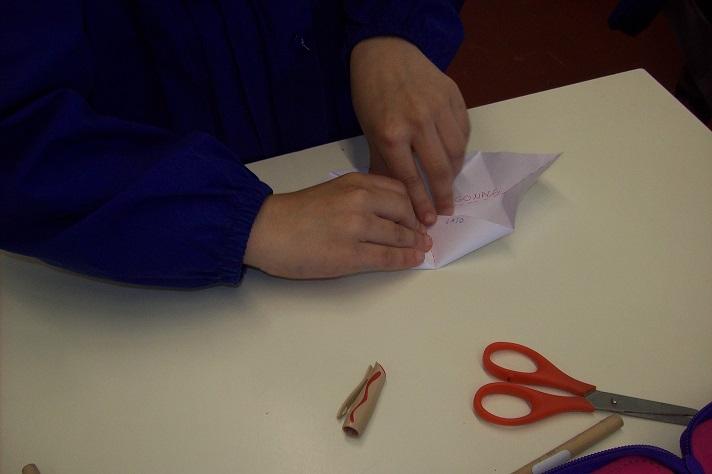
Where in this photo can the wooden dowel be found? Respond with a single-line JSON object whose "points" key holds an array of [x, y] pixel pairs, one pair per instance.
{"points": [[573, 447]]}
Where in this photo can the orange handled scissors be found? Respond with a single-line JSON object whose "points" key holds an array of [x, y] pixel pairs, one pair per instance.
{"points": [[543, 405]]}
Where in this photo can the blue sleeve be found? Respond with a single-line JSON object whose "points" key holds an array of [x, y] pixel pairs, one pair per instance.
{"points": [[103, 196], [432, 25]]}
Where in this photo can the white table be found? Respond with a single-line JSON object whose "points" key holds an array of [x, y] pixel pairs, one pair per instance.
{"points": [[609, 274]]}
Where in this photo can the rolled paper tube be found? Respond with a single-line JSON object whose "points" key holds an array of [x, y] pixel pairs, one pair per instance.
{"points": [[362, 407], [344, 408]]}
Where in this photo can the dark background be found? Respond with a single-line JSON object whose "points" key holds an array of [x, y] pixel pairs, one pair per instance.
{"points": [[517, 47]]}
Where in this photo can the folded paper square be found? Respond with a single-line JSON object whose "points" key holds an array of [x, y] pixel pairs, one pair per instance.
{"points": [[486, 196], [486, 193]]}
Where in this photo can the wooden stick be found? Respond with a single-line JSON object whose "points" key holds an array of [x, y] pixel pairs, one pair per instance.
{"points": [[573, 447], [30, 469]]}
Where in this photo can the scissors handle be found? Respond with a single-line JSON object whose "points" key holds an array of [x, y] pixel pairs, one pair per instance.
{"points": [[545, 375], [541, 405]]}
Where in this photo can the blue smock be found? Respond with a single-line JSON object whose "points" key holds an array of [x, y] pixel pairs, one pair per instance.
{"points": [[125, 125]]}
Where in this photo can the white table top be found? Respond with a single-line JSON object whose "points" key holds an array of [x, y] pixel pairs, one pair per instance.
{"points": [[608, 274]]}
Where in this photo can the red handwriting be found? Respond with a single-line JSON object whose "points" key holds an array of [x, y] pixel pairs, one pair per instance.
{"points": [[470, 198]]}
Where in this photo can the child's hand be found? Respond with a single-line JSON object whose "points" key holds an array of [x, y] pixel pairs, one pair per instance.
{"points": [[351, 224], [405, 105]]}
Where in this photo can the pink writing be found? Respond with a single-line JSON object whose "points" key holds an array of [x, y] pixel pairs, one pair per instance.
{"points": [[469, 198]]}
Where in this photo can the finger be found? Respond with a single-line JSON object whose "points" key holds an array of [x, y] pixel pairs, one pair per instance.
{"points": [[452, 139], [382, 196], [376, 164], [375, 257], [386, 183], [437, 167], [459, 109], [386, 232], [374, 182], [402, 166], [395, 207]]}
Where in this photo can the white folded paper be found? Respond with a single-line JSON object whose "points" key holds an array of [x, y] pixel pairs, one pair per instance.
{"points": [[486, 193]]}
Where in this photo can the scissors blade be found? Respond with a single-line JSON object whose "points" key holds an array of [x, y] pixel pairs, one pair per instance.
{"points": [[641, 408]]}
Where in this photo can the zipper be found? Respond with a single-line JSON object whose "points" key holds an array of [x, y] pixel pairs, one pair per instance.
{"points": [[601, 458], [702, 416], [666, 458], [686, 439]]}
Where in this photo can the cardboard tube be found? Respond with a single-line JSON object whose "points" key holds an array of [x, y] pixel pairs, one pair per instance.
{"points": [[344, 408], [361, 408], [573, 447], [30, 469]]}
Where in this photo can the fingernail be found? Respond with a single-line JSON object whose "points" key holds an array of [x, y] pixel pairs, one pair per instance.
{"points": [[447, 210], [429, 218], [422, 229], [428, 242]]}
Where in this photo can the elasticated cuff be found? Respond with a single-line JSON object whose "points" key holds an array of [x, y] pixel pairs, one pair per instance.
{"points": [[247, 205]]}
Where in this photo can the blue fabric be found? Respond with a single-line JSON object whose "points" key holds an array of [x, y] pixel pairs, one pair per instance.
{"points": [[633, 16], [125, 126]]}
